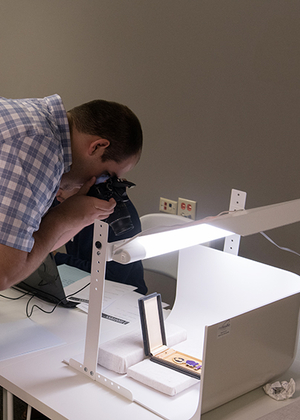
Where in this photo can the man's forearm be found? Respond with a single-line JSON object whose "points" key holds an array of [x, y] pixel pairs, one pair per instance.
{"points": [[16, 265], [58, 226]]}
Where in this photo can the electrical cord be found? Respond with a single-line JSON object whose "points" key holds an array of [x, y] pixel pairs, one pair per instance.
{"points": [[280, 247], [29, 312], [15, 298]]}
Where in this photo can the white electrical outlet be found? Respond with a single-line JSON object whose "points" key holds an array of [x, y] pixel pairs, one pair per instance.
{"points": [[187, 208], [167, 206]]}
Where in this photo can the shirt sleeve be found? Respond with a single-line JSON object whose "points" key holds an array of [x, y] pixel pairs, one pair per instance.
{"points": [[29, 175]]}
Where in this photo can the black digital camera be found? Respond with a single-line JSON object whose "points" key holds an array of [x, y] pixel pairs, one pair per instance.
{"points": [[120, 220]]}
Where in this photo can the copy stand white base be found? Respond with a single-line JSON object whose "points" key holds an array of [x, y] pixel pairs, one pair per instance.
{"points": [[87, 363]]}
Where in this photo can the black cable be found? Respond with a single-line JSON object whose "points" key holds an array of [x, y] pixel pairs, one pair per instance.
{"points": [[75, 293], [29, 313], [16, 298]]}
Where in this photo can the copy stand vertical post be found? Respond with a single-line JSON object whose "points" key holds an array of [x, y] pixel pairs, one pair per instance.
{"points": [[95, 297], [88, 365]]}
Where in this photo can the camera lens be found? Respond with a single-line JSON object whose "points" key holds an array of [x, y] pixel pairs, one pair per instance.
{"points": [[120, 220]]}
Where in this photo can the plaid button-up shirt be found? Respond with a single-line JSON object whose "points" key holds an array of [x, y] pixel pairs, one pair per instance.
{"points": [[35, 151]]}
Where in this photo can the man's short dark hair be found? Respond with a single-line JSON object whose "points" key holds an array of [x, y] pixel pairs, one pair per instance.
{"points": [[111, 121]]}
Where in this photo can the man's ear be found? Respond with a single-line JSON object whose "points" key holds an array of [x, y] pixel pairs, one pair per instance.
{"points": [[97, 146]]}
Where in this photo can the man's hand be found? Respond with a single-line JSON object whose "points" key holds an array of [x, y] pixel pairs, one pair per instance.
{"points": [[81, 210], [77, 212]]}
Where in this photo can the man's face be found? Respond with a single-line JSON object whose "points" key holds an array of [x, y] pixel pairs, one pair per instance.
{"points": [[112, 168], [87, 153], [70, 184]]}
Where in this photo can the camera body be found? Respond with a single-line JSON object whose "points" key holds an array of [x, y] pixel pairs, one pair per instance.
{"points": [[120, 220]]}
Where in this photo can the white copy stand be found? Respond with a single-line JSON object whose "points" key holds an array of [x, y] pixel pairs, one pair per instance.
{"points": [[243, 223], [87, 363]]}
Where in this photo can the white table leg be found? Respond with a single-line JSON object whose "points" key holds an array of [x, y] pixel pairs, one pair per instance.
{"points": [[4, 408], [28, 417], [8, 405]]}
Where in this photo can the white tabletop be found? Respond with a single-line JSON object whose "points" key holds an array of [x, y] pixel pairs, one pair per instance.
{"points": [[42, 380]]}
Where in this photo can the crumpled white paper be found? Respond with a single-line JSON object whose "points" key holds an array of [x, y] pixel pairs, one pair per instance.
{"points": [[280, 390]]}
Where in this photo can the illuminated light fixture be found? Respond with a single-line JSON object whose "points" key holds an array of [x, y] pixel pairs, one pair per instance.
{"points": [[171, 239], [154, 242]]}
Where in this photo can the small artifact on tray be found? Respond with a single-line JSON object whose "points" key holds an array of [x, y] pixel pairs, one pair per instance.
{"points": [[154, 338]]}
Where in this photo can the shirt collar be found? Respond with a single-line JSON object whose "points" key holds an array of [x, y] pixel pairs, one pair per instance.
{"points": [[56, 107]]}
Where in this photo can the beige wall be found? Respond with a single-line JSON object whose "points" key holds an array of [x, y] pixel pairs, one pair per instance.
{"points": [[216, 85]]}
